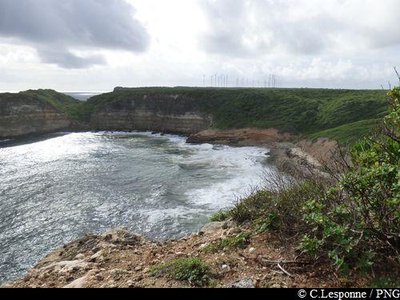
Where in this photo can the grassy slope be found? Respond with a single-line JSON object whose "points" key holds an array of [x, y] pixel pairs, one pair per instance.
{"points": [[342, 114], [66, 104], [349, 133]]}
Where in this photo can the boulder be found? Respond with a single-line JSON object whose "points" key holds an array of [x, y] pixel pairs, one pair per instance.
{"points": [[80, 282]]}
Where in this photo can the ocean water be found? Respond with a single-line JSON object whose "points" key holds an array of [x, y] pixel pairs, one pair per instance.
{"points": [[82, 96], [59, 188]]}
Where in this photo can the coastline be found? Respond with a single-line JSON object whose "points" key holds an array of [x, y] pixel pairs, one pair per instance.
{"points": [[120, 259], [287, 152], [81, 266]]}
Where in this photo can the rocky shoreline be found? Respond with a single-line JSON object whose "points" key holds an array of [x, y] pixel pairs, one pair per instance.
{"points": [[288, 152], [119, 259]]}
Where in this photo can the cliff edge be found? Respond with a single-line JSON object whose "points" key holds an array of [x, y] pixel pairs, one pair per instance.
{"points": [[25, 113]]}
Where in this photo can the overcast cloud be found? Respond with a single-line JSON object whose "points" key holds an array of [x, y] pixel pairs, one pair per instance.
{"points": [[304, 27], [58, 28], [99, 44]]}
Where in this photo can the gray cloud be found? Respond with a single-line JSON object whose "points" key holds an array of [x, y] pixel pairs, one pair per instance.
{"points": [[58, 28], [68, 60], [298, 27]]}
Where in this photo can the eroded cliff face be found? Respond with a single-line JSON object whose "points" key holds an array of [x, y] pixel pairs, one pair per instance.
{"points": [[162, 113], [23, 115]]}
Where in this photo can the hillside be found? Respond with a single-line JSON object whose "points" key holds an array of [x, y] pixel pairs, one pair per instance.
{"points": [[59, 101], [343, 115], [340, 114], [33, 112]]}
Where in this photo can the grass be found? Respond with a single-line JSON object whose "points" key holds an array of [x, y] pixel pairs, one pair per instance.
{"points": [[191, 270], [349, 133], [63, 103], [384, 282], [220, 216], [240, 241], [277, 209], [307, 112]]}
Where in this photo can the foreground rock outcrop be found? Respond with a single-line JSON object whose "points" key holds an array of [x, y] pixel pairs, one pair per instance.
{"points": [[119, 259], [21, 115]]}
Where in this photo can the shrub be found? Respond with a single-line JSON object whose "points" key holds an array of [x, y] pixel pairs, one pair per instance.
{"points": [[384, 282], [279, 208], [220, 216], [192, 270], [248, 209], [359, 219], [240, 241]]}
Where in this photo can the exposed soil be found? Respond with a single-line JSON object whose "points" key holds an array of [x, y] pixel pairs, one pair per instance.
{"points": [[241, 137], [119, 259]]}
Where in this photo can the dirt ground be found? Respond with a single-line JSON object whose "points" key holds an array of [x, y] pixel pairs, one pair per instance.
{"points": [[119, 259]]}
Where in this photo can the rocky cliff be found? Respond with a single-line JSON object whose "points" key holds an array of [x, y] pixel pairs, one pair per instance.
{"points": [[22, 114], [162, 113]]}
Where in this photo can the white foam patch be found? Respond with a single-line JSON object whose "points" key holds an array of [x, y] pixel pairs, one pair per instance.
{"points": [[244, 174], [243, 166]]}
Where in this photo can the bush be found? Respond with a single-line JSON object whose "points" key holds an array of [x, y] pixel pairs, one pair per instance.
{"points": [[353, 218], [359, 219], [192, 270], [250, 208], [280, 207], [220, 216], [240, 241]]}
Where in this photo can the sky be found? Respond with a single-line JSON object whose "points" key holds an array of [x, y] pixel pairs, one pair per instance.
{"points": [[96, 45]]}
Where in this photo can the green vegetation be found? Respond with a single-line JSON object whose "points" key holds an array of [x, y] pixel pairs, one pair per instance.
{"points": [[349, 133], [345, 115], [352, 219], [384, 282], [220, 216], [308, 112], [66, 104], [278, 209], [192, 270], [361, 215], [240, 241]]}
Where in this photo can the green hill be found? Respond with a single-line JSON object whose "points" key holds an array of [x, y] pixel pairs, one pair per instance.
{"points": [[345, 115], [66, 104]]}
